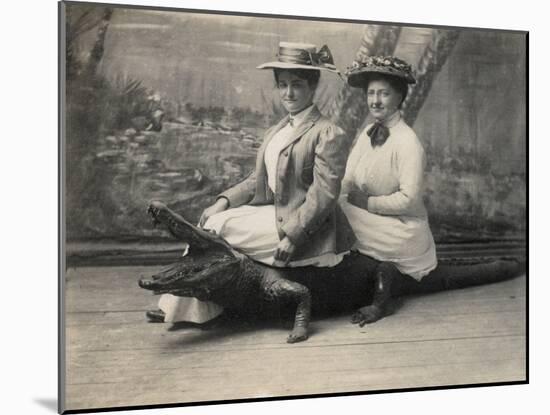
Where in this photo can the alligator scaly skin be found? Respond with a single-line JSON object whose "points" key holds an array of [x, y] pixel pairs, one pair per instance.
{"points": [[214, 271]]}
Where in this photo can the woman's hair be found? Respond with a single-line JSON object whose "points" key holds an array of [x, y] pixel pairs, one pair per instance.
{"points": [[398, 84], [311, 76]]}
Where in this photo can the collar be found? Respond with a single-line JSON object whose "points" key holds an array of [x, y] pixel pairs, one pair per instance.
{"points": [[393, 119], [297, 119]]}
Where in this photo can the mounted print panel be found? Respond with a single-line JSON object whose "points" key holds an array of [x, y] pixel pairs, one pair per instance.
{"points": [[350, 217]]}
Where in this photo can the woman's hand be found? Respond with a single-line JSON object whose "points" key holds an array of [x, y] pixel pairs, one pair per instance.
{"points": [[219, 206], [358, 198], [284, 252]]}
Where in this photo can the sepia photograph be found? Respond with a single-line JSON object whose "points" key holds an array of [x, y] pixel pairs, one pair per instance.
{"points": [[259, 206]]}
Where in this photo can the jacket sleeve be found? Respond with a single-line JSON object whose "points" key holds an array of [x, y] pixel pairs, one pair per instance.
{"points": [[410, 169], [351, 164], [241, 193], [331, 153]]}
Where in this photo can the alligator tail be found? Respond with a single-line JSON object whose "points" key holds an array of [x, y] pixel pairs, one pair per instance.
{"points": [[450, 276]]}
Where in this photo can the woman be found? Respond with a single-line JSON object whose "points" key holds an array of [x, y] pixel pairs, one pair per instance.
{"points": [[285, 213], [382, 188]]}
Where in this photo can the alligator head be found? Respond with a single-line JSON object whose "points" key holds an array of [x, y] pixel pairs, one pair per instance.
{"points": [[210, 265]]}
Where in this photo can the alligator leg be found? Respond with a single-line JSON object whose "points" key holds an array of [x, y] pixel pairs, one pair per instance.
{"points": [[386, 275], [390, 283], [277, 288]]}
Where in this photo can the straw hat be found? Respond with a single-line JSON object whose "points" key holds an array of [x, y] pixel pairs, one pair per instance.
{"points": [[302, 56]]}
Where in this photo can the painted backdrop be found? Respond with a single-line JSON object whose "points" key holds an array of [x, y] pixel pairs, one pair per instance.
{"points": [[169, 106]]}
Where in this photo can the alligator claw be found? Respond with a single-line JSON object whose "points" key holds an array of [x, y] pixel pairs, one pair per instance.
{"points": [[367, 315], [298, 334]]}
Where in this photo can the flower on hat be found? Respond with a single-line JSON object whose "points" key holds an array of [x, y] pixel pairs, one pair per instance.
{"points": [[387, 64]]}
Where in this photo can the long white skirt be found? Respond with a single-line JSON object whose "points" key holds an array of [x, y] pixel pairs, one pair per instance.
{"points": [[405, 241], [253, 231]]}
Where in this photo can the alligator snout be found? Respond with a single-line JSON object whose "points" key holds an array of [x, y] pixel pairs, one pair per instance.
{"points": [[156, 205], [148, 283], [154, 209]]}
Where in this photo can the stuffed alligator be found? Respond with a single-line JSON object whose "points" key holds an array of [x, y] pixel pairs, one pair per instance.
{"points": [[214, 271]]}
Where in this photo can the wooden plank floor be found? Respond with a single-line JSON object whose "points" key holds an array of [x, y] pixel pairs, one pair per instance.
{"points": [[115, 358]]}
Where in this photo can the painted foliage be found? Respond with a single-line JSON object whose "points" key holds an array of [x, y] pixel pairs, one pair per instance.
{"points": [[169, 106]]}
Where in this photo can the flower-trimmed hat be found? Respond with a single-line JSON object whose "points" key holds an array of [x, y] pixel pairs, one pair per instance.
{"points": [[302, 56], [360, 71]]}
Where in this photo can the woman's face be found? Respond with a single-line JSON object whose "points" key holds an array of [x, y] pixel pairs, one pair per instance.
{"points": [[383, 100], [296, 94]]}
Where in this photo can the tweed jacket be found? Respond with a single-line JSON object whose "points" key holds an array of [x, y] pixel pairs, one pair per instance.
{"points": [[309, 173]]}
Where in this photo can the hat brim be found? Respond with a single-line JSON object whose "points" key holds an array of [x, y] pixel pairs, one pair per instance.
{"points": [[288, 65], [360, 78]]}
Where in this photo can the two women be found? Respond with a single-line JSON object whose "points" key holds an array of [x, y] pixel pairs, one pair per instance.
{"points": [[285, 213]]}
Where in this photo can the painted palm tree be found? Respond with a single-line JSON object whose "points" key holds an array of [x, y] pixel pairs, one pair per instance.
{"points": [[350, 109], [85, 93], [432, 60], [96, 53], [80, 20]]}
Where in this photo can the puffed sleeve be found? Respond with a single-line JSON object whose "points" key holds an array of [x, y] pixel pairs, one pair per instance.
{"points": [[357, 149], [407, 200], [331, 153], [241, 193]]}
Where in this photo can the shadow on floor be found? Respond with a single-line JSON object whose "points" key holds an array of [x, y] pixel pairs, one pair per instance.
{"points": [[48, 403]]}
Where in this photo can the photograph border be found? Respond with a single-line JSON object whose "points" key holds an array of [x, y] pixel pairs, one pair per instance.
{"points": [[62, 188]]}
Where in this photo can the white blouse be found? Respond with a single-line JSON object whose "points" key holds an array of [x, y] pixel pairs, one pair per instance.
{"points": [[278, 142], [394, 227]]}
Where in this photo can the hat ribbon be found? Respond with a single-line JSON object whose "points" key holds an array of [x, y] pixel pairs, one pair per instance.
{"points": [[304, 57]]}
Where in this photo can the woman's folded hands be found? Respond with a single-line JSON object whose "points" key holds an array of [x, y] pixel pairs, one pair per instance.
{"points": [[358, 197]]}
